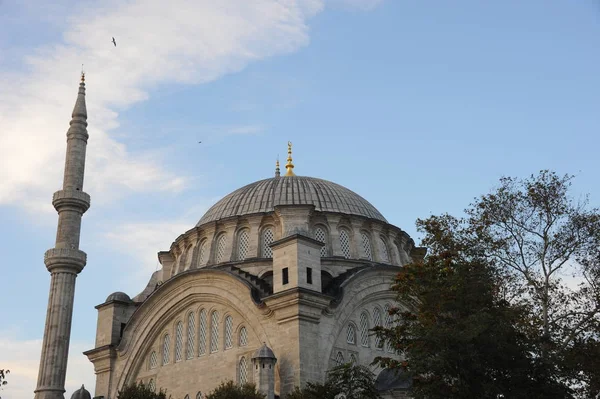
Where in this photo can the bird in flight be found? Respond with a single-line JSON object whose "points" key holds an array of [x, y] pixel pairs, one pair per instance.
{"points": [[114, 42], [199, 142]]}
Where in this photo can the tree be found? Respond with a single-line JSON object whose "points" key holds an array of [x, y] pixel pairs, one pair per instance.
{"points": [[3, 374], [140, 391], [348, 381], [230, 390]]}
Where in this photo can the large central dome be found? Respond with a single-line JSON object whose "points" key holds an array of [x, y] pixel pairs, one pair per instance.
{"points": [[264, 195]]}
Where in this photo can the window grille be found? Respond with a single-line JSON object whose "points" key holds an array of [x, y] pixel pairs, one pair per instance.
{"points": [[339, 359], [385, 255], [201, 253], [179, 342], [267, 252], [366, 244], [377, 322], [151, 385], [228, 332], [345, 243], [388, 324], [191, 335], [202, 335], [166, 345], [243, 336], [214, 332], [243, 240], [353, 359], [199, 395], [351, 334], [153, 360], [364, 330], [320, 236], [243, 371], [221, 248], [187, 397]]}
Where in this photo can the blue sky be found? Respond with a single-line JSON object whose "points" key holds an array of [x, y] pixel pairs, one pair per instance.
{"points": [[418, 106]]}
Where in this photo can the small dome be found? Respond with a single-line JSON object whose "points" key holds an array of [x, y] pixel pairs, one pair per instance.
{"points": [[81, 393], [264, 195], [264, 352], [118, 296]]}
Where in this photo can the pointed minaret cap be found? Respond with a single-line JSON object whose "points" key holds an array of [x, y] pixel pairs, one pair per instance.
{"points": [[277, 172], [289, 165], [80, 110]]}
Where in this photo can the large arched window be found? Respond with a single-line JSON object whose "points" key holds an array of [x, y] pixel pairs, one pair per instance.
{"points": [[199, 395], [179, 342], [377, 323], [153, 363], [202, 253], [191, 335], [243, 371], [388, 324], [345, 243], [243, 337], [166, 349], [221, 244], [366, 244], [214, 331], [203, 333], [364, 329], [385, 254], [351, 334], [321, 235], [151, 385], [243, 244], [267, 239], [228, 332], [339, 359]]}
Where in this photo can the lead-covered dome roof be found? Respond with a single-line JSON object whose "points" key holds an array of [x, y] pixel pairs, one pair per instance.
{"points": [[263, 195]]}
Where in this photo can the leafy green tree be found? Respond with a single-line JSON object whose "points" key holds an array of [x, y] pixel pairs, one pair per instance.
{"points": [[230, 390], [3, 373], [314, 391], [140, 391]]}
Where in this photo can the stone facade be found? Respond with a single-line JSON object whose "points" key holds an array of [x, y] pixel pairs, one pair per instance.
{"points": [[305, 273]]}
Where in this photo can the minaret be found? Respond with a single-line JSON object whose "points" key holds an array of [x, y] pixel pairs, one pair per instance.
{"points": [[65, 260], [277, 172]]}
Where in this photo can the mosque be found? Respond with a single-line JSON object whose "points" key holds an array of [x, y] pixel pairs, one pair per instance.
{"points": [[278, 282]]}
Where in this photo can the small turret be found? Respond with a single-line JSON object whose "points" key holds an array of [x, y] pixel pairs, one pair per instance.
{"points": [[263, 363], [81, 393]]}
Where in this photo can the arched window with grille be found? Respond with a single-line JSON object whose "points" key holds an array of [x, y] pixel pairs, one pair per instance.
{"points": [[187, 397], [191, 335], [377, 323], [366, 245], [243, 372], [345, 243], [353, 359], [243, 337], [321, 235], [388, 324], [178, 341], [243, 244], [267, 240], [228, 332], [202, 253], [221, 248], [203, 333], [153, 362], [339, 359], [385, 254], [351, 334], [214, 331], [199, 395], [151, 385], [364, 329], [166, 349]]}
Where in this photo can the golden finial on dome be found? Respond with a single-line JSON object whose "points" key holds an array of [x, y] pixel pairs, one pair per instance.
{"points": [[289, 165], [277, 173]]}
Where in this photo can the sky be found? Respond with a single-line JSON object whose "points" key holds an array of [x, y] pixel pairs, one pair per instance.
{"points": [[418, 106]]}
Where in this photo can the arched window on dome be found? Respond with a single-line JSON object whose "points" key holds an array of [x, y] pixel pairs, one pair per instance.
{"points": [[243, 371], [267, 238], [214, 331], [203, 333], [377, 323], [228, 332], [364, 329], [385, 254], [339, 359], [243, 341], [351, 334], [202, 253], [191, 335], [243, 244], [153, 362], [179, 342], [321, 235], [345, 243], [221, 247], [388, 325], [166, 349], [366, 245]]}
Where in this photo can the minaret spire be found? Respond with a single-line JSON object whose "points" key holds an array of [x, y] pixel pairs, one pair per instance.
{"points": [[289, 165], [65, 260], [277, 172]]}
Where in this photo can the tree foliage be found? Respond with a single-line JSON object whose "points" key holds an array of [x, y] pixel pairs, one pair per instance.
{"points": [[3, 373], [488, 312], [230, 390], [140, 391]]}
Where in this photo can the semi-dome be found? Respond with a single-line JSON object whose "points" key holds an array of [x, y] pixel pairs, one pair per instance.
{"points": [[262, 196]]}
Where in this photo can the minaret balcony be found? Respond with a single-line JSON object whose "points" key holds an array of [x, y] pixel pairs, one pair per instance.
{"points": [[65, 259], [69, 198]]}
